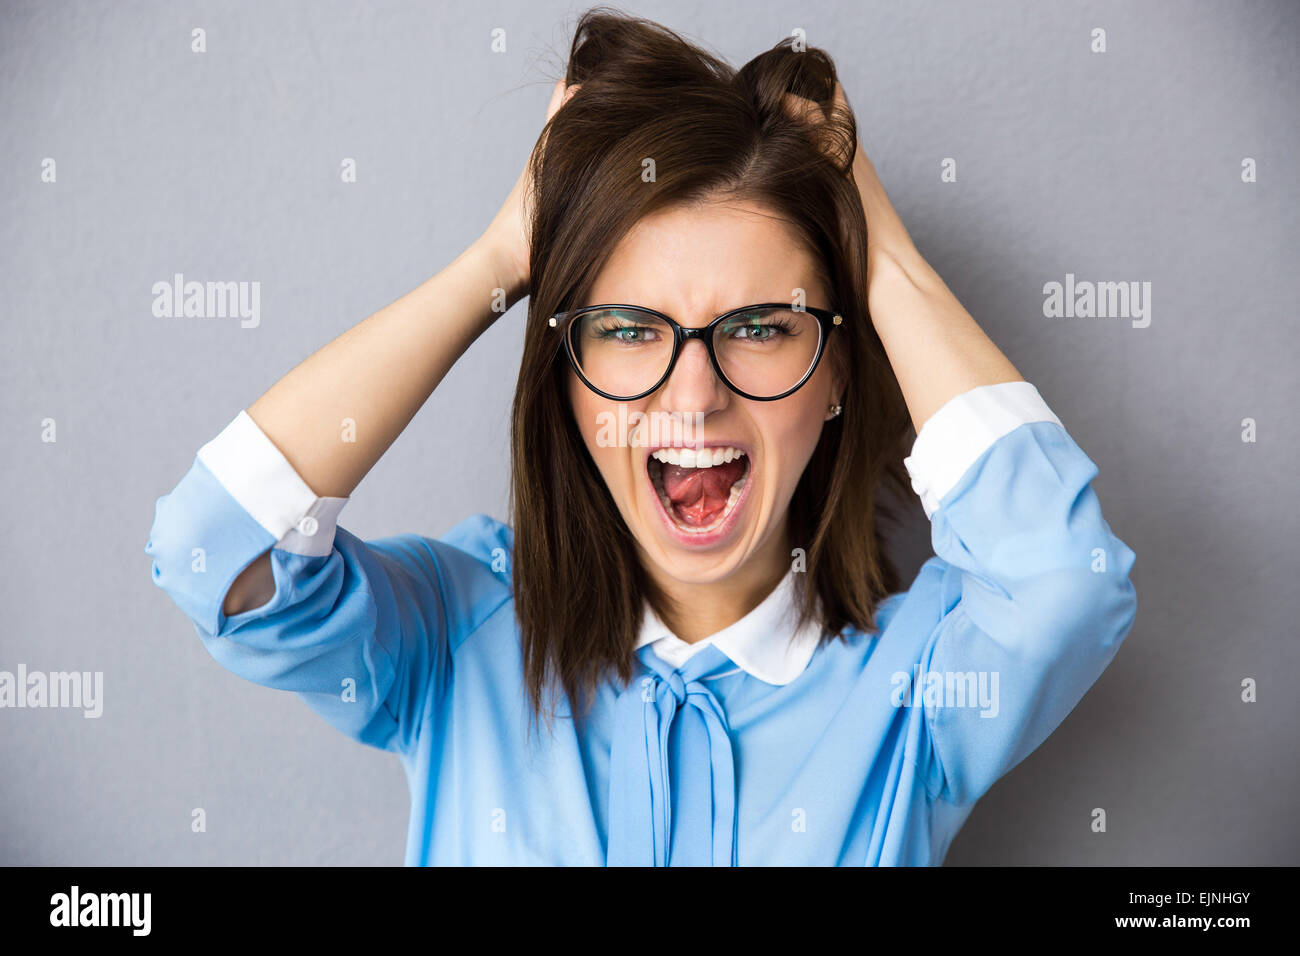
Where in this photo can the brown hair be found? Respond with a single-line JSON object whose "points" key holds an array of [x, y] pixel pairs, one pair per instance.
{"points": [[713, 131]]}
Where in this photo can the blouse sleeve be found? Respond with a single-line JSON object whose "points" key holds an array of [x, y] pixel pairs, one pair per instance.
{"points": [[1035, 592], [362, 631]]}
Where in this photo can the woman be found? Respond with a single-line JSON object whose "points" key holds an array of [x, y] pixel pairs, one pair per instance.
{"points": [[693, 592]]}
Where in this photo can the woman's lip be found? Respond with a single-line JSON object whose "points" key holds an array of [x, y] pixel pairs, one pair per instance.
{"points": [[706, 538]]}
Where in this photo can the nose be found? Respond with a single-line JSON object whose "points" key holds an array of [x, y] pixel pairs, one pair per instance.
{"points": [[694, 386]]}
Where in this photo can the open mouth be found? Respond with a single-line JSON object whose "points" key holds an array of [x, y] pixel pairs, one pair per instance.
{"points": [[698, 488]]}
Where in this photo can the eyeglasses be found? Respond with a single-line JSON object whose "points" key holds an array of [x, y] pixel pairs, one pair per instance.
{"points": [[761, 352]]}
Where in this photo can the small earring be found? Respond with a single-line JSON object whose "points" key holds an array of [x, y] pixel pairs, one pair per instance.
{"points": [[835, 410]]}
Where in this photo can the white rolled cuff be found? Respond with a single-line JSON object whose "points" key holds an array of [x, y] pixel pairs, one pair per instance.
{"points": [[955, 436], [258, 476]]}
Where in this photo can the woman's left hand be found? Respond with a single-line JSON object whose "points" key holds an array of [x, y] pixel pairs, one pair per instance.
{"points": [[888, 241], [934, 345]]}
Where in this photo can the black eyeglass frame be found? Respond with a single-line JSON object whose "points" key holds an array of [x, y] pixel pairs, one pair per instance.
{"points": [[826, 318]]}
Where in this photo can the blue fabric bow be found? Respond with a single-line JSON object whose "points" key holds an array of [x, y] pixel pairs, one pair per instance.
{"points": [[672, 797]]}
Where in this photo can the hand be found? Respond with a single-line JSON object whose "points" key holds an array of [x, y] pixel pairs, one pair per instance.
{"points": [[506, 237], [887, 238], [935, 348]]}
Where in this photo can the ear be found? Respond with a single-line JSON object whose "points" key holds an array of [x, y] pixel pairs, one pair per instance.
{"points": [[839, 376]]}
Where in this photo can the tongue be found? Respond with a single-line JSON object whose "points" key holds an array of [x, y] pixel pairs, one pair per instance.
{"points": [[699, 494]]}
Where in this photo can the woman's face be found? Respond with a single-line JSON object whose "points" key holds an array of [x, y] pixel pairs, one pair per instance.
{"points": [[694, 263]]}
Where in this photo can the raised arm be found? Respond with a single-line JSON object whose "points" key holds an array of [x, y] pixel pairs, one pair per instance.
{"points": [[936, 348], [247, 544], [1037, 596], [380, 372], [1034, 588]]}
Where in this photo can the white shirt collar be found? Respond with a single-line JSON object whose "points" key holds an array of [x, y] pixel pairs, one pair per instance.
{"points": [[764, 643]]}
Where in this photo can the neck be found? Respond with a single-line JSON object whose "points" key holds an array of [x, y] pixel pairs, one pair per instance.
{"points": [[705, 609]]}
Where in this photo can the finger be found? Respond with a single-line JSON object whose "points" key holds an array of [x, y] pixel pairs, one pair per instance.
{"points": [[559, 96], [840, 99], [802, 108]]}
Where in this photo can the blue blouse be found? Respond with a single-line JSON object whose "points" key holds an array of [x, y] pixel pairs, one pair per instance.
{"points": [[754, 747]]}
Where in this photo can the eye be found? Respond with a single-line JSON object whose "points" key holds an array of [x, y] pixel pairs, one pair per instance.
{"points": [[626, 333], [757, 327], [755, 332]]}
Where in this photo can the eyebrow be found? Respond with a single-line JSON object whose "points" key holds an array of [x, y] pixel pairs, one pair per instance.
{"points": [[749, 305]]}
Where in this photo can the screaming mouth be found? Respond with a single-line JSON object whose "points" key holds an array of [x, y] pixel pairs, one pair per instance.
{"points": [[698, 488]]}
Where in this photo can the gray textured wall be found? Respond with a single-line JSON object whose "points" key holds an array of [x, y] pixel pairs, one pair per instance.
{"points": [[1117, 166]]}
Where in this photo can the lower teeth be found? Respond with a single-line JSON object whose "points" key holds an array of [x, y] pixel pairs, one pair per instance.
{"points": [[732, 498]]}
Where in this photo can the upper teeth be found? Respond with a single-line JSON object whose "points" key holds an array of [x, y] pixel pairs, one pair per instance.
{"points": [[696, 457]]}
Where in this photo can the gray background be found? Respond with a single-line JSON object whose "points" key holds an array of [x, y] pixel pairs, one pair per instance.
{"points": [[225, 166]]}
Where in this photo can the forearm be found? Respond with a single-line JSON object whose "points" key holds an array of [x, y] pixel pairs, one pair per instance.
{"points": [[935, 347], [377, 375]]}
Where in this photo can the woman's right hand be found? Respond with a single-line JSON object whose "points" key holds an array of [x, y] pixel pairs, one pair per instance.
{"points": [[506, 237]]}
